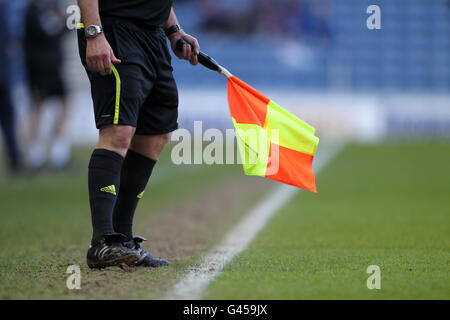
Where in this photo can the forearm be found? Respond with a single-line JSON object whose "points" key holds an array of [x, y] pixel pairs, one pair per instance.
{"points": [[171, 20], [188, 51], [89, 12], [99, 54]]}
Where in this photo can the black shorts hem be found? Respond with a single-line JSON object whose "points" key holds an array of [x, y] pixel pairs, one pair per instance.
{"points": [[155, 133], [103, 124], [138, 132]]}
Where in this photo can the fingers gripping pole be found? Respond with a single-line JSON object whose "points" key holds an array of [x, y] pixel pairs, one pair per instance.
{"points": [[206, 61], [210, 63]]}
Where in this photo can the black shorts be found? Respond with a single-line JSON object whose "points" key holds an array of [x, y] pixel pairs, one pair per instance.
{"points": [[45, 80], [141, 91]]}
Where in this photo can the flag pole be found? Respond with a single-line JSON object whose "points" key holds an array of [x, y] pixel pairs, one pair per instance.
{"points": [[207, 61], [227, 74]]}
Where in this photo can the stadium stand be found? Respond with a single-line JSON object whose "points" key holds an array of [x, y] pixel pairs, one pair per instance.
{"points": [[411, 52]]}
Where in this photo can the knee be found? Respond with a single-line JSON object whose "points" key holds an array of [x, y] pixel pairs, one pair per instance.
{"points": [[157, 143], [116, 138], [150, 146], [121, 137], [163, 139]]}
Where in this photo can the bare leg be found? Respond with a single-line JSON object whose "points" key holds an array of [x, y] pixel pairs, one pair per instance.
{"points": [[60, 148], [115, 138], [36, 149], [59, 131], [149, 146]]}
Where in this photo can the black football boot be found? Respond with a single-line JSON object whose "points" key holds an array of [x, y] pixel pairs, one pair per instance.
{"points": [[111, 251], [146, 259]]}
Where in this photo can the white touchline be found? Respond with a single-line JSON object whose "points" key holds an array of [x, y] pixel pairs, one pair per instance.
{"points": [[192, 285]]}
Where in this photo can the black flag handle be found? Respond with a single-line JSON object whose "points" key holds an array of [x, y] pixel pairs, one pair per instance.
{"points": [[203, 58]]}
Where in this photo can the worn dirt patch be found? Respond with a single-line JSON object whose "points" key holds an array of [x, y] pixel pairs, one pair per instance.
{"points": [[194, 225], [181, 233]]}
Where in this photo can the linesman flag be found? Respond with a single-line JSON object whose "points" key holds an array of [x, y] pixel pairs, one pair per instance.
{"points": [[273, 143]]}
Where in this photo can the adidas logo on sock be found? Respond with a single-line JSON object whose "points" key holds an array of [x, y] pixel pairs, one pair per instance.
{"points": [[110, 189]]}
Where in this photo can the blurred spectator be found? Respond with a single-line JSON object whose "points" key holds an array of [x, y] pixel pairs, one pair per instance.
{"points": [[44, 30], [7, 119], [268, 17], [217, 18]]}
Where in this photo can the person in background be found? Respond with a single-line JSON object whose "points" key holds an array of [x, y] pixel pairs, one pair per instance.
{"points": [[7, 119], [44, 31]]}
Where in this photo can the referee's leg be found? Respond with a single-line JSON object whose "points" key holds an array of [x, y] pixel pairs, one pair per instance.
{"points": [[136, 171], [149, 146], [104, 176], [116, 138]]}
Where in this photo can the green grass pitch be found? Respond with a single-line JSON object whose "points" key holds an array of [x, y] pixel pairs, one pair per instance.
{"points": [[385, 205]]}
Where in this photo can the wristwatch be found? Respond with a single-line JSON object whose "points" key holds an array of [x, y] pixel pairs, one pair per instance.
{"points": [[92, 31], [172, 29]]}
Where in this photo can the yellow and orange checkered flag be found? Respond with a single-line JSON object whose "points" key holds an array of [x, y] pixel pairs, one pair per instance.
{"points": [[273, 143]]}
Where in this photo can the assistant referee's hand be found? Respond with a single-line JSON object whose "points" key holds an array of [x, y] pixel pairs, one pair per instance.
{"points": [[99, 55], [189, 52]]}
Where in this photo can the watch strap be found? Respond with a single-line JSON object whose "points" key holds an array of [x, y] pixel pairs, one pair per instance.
{"points": [[172, 29]]}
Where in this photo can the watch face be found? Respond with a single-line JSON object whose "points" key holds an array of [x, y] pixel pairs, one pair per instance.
{"points": [[91, 31]]}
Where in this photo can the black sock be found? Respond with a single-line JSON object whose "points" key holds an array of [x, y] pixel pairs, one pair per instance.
{"points": [[103, 181], [136, 171]]}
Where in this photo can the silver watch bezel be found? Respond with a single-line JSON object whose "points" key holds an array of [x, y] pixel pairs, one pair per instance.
{"points": [[92, 31]]}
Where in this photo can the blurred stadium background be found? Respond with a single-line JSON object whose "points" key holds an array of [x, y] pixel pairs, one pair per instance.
{"points": [[316, 57], [378, 89]]}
